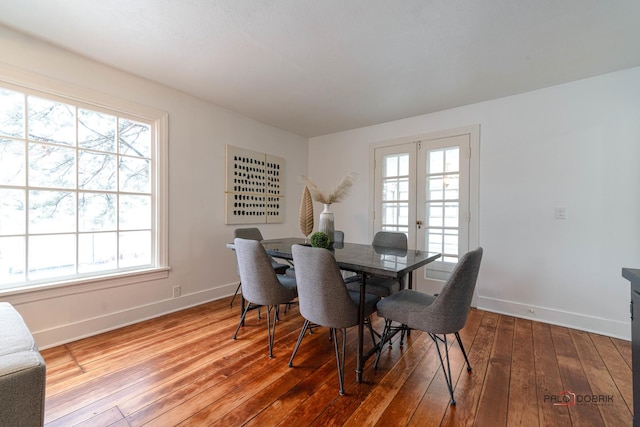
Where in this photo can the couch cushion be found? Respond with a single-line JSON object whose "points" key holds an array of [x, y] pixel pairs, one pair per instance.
{"points": [[15, 337]]}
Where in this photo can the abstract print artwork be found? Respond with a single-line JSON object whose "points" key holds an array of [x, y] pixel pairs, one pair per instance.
{"points": [[255, 187]]}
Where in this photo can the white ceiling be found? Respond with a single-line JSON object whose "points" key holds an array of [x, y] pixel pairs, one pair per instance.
{"points": [[319, 66]]}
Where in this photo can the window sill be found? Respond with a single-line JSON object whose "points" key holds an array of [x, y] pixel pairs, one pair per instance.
{"points": [[59, 289]]}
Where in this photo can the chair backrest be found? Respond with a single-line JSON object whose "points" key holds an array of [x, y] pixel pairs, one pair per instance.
{"points": [[248, 233], [448, 313], [390, 239], [322, 294], [260, 284], [338, 236]]}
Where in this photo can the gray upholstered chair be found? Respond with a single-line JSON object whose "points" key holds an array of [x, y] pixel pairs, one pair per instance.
{"points": [[261, 285], [325, 301], [438, 315], [252, 233], [384, 241]]}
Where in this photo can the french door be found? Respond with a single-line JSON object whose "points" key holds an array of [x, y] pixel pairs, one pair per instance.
{"points": [[424, 188]]}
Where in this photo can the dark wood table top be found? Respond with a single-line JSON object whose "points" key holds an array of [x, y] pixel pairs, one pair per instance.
{"points": [[356, 257]]}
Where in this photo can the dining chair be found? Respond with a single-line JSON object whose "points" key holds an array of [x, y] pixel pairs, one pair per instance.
{"points": [[252, 233], [438, 315], [325, 301], [261, 285], [395, 243]]}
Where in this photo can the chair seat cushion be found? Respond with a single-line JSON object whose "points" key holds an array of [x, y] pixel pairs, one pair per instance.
{"points": [[370, 301], [380, 286], [400, 306], [289, 283]]}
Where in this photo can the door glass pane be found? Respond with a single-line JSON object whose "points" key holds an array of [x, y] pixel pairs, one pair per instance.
{"points": [[442, 204], [395, 192]]}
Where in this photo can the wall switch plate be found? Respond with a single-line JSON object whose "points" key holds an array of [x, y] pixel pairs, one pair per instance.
{"points": [[561, 213]]}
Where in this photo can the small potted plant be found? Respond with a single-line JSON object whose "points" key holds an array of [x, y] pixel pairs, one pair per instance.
{"points": [[320, 239]]}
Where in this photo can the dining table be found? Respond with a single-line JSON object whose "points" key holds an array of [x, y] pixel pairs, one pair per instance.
{"points": [[365, 260]]}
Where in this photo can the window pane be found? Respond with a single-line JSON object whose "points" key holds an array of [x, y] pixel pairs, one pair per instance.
{"points": [[435, 162], [52, 212], [97, 212], [451, 184], [451, 211], [450, 246], [135, 248], [51, 166], [434, 241], [134, 175], [51, 121], [435, 214], [435, 186], [12, 162], [12, 211], [97, 252], [11, 113], [452, 159], [395, 214], [135, 138], [395, 189], [390, 166], [135, 212], [12, 260], [96, 171], [52, 256], [403, 164], [96, 131]]}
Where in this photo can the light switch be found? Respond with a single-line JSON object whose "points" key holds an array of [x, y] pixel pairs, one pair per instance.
{"points": [[561, 213]]}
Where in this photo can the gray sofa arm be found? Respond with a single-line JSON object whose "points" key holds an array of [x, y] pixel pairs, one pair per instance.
{"points": [[22, 372]]}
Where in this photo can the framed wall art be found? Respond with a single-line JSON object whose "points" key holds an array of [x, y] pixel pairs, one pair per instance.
{"points": [[254, 191]]}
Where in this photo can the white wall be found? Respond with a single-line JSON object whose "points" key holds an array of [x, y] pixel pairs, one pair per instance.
{"points": [[198, 133], [576, 146]]}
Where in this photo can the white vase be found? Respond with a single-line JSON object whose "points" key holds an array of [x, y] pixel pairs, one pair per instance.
{"points": [[326, 221]]}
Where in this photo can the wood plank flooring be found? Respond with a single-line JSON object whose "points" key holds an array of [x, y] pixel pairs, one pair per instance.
{"points": [[184, 369]]}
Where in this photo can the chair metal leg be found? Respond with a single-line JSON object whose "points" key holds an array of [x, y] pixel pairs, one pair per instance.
{"points": [[271, 333], [385, 335], [241, 323], [464, 353], [447, 372], [295, 349], [235, 294], [340, 357]]}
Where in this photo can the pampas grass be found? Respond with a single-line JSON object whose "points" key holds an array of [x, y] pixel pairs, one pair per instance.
{"points": [[329, 197]]}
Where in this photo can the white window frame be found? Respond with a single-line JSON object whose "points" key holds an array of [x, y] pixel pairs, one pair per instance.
{"points": [[31, 83]]}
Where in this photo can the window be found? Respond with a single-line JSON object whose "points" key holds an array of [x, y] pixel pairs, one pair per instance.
{"points": [[79, 189]]}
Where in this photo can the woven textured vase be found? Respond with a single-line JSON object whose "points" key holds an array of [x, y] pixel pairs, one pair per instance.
{"points": [[326, 222]]}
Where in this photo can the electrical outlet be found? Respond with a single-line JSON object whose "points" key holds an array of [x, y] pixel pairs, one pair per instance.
{"points": [[177, 291]]}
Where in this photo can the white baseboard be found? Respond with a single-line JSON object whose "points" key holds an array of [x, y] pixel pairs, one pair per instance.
{"points": [[88, 327], [582, 322]]}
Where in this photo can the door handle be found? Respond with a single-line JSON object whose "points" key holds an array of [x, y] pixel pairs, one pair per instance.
{"points": [[419, 224]]}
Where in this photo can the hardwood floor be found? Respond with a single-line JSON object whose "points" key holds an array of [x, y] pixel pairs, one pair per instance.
{"points": [[184, 369]]}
